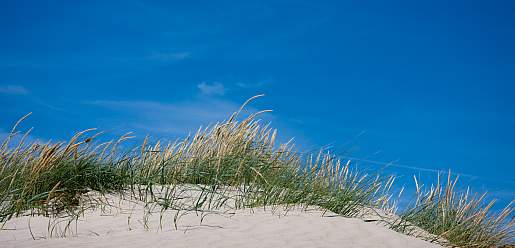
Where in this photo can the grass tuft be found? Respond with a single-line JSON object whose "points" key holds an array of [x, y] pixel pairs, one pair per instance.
{"points": [[457, 218]]}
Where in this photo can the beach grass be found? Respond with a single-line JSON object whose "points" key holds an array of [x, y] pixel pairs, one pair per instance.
{"points": [[233, 164], [461, 218]]}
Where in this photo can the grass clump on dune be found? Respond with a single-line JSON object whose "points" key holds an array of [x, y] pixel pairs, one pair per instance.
{"points": [[233, 164], [51, 178], [461, 219]]}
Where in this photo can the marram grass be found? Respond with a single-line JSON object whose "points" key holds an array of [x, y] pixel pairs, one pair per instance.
{"points": [[462, 219], [233, 164]]}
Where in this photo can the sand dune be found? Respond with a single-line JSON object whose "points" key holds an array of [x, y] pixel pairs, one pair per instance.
{"points": [[128, 225]]}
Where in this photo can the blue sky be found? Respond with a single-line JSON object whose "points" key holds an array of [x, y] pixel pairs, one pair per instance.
{"points": [[421, 85]]}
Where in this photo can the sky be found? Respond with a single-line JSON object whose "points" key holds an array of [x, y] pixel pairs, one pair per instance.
{"points": [[413, 86]]}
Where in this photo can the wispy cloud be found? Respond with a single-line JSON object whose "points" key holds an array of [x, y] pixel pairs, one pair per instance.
{"points": [[166, 57], [249, 85], [164, 119], [30, 98], [154, 57], [211, 89], [254, 85], [13, 90]]}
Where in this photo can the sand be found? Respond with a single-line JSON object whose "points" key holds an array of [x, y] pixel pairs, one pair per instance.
{"points": [[129, 225]]}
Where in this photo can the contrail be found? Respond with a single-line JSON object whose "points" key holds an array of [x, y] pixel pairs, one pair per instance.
{"points": [[393, 164]]}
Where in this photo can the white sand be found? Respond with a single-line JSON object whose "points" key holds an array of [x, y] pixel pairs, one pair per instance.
{"points": [[125, 227]]}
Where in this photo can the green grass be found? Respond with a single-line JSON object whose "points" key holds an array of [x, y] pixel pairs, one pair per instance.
{"points": [[233, 164], [461, 218]]}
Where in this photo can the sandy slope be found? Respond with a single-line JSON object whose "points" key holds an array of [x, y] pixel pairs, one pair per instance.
{"points": [[125, 227]]}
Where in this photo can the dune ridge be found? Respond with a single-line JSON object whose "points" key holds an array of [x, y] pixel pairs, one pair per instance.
{"points": [[129, 223]]}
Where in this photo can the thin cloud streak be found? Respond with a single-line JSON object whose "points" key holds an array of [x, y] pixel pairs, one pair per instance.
{"points": [[417, 168], [167, 118], [13, 90], [166, 57], [246, 85], [211, 89]]}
